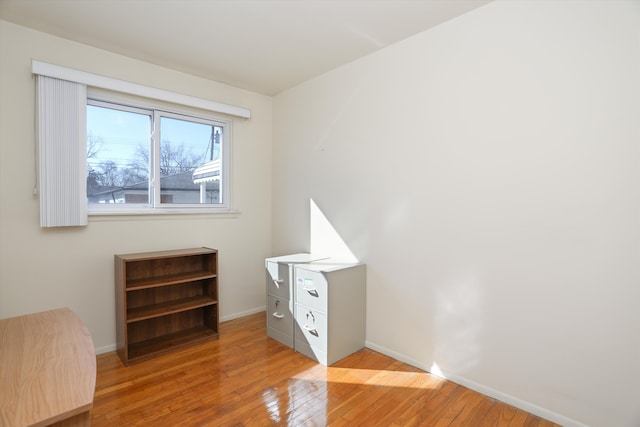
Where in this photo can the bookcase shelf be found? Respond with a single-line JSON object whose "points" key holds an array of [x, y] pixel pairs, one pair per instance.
{"points": [[165, 300], [171, 307], [153, 282], [155, 346]]}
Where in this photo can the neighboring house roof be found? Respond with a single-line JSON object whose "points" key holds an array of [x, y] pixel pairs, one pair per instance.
{"points": [[183, 181]]}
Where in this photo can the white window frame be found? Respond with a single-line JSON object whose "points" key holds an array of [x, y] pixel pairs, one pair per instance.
{"points": [[225, 150], [158, 109]]}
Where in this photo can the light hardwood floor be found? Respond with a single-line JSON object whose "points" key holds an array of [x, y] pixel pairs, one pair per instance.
{"points": [[247, 379]]}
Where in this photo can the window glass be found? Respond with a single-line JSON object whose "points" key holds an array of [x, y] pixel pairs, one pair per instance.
{"points": [[189, 161], [154, 158], [117, 155]]}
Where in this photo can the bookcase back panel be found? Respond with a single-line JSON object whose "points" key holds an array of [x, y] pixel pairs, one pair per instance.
{"points": [[165, 325]]}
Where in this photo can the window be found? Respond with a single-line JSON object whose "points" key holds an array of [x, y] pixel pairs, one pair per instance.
{"points": [[119, 168], [141, 158]]}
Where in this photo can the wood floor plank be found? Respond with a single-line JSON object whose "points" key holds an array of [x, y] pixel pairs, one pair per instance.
{"points": [[247, 379]]}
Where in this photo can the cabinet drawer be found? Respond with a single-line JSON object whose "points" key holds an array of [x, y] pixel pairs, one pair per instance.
{"points": [[279, 314], [311, 289], [311, 327], [278, 282]]}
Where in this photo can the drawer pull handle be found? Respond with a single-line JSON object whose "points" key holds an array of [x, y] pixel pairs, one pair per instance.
{"points": [[311, 291], [312, 331], [278, 315], [278, 282]]}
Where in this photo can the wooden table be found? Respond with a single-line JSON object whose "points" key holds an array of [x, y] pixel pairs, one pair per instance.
{"points": [[47, 370]]}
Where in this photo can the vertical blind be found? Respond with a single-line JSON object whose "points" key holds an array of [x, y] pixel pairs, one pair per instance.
{"points": [[62, 155]]}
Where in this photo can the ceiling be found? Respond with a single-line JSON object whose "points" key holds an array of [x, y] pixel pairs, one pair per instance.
{"points": [[265, 46]]}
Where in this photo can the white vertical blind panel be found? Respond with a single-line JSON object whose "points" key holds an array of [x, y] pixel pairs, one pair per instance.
{"points": [[62, 143]]}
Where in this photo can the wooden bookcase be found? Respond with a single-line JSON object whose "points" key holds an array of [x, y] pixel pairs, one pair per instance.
{"points": [[165, 300]]}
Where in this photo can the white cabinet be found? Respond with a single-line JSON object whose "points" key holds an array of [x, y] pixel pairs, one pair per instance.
{"points": [[280, 295], [329, 310]]}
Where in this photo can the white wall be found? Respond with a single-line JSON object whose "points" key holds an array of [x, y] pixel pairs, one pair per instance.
{"points": [[43, 269], [487, 172]]}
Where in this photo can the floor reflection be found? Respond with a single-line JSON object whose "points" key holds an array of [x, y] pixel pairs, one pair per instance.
{"points": [[313, 397]]}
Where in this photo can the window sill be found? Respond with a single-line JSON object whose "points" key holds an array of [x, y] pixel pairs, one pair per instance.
{"points": [[158, 214]]}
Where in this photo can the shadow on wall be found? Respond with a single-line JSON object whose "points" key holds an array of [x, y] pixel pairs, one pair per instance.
{"points": [[458, 303]]}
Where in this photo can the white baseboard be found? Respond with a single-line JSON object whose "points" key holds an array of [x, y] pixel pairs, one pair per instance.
{"points": [[396, 355], [242, 313], [487, 391], [105, 349]]}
